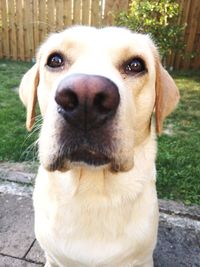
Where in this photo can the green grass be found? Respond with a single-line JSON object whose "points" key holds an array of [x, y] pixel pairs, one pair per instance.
{"points": [[178, 161], [14, 139]]}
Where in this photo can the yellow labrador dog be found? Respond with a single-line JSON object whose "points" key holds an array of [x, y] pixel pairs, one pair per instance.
{"points": [[95, 198]]}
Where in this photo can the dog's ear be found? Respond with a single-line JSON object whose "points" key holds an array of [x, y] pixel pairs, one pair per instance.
{"points": [[167, 96], [28, 94]]}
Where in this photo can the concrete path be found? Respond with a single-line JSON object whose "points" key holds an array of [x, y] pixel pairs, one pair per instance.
{"points": [[178, 239]]}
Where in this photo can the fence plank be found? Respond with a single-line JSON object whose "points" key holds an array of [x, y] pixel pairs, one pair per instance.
{"points": [[20, 30], [196, 64], [42, 20], [171, 58], [122, 5], [30, 28], [95, 13], [5, 30], [188, 28], [86, 16], [12, 29], [51, 16], [184, 19], [113, 7], [109, 12], [77, 12], [28, 34], [191, 37], [26, 39], [1, 44], [35, 26], [67, 13], [59, 15]]}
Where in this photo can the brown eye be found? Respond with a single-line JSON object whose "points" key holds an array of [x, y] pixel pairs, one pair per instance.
{"points": [[55, 60], [134, 66]]}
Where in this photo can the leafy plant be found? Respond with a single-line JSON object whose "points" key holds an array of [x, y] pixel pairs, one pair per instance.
{"points": [[157, 18]]}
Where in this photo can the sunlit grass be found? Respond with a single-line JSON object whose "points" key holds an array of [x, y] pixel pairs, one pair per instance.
{"points": [[178, 162], [15, 141]]}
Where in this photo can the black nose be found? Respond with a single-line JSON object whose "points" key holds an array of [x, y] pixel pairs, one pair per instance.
{"points": [[87, 101]]}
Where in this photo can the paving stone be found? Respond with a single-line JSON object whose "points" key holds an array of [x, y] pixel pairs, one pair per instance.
{"points": [[36, 254], [176, 208], [17, 173], [26, 167], [12, 262], [16, 225], [21, 177], [178, 239], [7, 187], [178, 242]]}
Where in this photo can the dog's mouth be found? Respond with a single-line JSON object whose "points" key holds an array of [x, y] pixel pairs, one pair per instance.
{"points": [[89, 156], [80, 156]]}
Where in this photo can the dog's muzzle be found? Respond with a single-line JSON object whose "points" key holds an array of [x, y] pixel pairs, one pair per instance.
{"points": [[88, 103]]}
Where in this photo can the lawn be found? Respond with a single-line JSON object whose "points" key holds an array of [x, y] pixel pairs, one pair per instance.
{"points": [[15, 142], [178, 161]]}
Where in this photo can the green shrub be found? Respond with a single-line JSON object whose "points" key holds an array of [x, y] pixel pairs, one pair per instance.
{"points": [[159, 19]]}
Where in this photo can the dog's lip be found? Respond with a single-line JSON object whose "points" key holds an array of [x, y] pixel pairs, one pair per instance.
{"points": [[89, 156]]}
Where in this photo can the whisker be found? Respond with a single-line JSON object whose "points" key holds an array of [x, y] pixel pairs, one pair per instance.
{"points": [[32, 150]]}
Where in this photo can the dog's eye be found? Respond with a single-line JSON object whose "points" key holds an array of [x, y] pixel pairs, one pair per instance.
{"points": [[134, 66], [55, 60]]}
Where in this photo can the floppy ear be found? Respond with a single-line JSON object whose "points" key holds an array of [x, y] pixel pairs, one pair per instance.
{"points": [[28, 94], [167, 96]]}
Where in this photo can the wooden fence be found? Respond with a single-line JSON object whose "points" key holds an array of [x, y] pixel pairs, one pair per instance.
{"points": [[24, 24], [190, 15]]}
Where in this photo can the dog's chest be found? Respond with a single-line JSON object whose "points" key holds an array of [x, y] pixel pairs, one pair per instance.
{"points": [[89, 227], [87, 234]]}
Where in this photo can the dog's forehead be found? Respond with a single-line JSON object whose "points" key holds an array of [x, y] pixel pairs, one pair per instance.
{"points": [[108, 38]]}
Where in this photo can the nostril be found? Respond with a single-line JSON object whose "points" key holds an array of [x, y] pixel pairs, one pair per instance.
{"points": [[106, 101], [71, 101], [67, 99], [100, 102]]}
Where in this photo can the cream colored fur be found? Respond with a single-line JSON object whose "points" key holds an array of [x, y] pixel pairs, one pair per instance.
{"points": [[92, 217]]}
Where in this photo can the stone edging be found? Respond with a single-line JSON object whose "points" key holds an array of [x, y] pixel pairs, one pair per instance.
{"points": [[18, 177]]}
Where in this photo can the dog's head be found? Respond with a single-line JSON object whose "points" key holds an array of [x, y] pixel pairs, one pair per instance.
{"points": [[97, 90]]}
